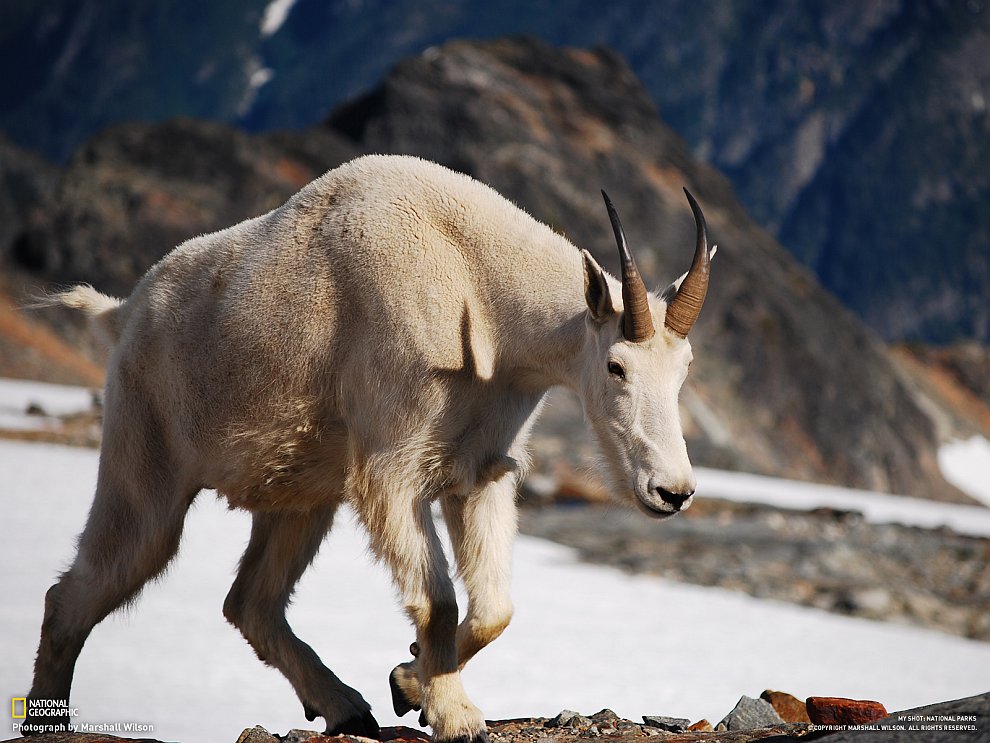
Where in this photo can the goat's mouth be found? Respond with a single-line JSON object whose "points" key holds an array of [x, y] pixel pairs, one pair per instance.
{"points": [[654, 512]]}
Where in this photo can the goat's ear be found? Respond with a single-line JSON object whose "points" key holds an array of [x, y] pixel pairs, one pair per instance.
{"points": [[596, 292], [671, 291]]}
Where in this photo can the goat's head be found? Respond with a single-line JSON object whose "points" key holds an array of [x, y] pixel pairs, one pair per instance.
{"points": [[637, 360]]}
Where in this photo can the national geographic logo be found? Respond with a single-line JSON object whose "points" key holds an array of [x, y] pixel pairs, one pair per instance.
{"points": [[42, 715], [56, 716]]}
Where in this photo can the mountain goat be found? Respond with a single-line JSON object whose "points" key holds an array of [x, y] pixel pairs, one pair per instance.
{"points": [[382, 339]]}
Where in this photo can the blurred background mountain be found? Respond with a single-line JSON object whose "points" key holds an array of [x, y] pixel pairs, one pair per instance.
{"points": [[854, 134], [856, 131]]}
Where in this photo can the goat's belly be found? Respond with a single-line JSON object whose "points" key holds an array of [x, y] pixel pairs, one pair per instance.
{"points": [[291, 468]]}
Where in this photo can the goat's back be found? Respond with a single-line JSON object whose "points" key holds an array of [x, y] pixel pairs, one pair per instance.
{"points": [[267, 344]]}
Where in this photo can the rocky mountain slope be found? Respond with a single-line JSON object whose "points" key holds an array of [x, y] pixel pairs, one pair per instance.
{"points": [[856, 132], [832, 560], [135, 191], [786, 381]]}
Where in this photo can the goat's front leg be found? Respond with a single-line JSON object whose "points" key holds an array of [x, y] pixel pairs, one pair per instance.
{"points": [[402, 533], [482, 526]]}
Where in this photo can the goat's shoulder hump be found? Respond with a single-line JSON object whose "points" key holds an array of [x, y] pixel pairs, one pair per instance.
{"points": [[387, 176]]}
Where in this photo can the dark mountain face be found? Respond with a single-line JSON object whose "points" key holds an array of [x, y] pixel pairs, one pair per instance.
{"points": [[856, 131], [896, 220], [136, 191], [25, 181], [785, 381]]}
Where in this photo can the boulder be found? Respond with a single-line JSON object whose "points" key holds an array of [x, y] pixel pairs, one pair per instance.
{"points": [[668, 724], [842, 711], [751, 713]]}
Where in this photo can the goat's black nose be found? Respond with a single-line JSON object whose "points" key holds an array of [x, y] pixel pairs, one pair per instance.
{"points": [[674, 499]]}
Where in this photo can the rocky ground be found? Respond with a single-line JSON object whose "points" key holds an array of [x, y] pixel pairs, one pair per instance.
{"points": [[775, 716], [828, 559]]}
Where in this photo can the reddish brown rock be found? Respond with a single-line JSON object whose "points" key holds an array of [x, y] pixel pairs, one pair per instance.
{"points": [[701, 726], [790, 708], [840, 711]]}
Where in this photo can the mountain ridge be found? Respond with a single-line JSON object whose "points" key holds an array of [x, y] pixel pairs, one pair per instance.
{"points": [[840, 125]]}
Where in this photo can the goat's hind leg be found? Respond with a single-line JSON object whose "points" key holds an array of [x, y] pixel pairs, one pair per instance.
{"points": [[282, 546], [131, 534]]}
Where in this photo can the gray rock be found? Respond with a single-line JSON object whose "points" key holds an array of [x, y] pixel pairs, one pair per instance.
{"points": [[569, 718], [670, 724], [751, 713], [298, 735], [605, 716], [257, 734]]}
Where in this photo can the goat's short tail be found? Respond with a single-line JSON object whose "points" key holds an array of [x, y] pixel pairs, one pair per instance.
{"points": [[103, 311]]}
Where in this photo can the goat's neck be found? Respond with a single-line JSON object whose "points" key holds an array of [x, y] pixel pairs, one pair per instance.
{"points": [[553, 343]]}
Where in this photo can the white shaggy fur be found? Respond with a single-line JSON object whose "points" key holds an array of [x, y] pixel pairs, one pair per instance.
{"points": [[384, 338]]}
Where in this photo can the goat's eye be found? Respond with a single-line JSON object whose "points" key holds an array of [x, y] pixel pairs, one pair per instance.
{"points": [[616, 370]]}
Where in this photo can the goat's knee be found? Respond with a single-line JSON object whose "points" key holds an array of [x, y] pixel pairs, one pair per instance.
{"points": [[478, 630], [254, 623], [233, 608]]}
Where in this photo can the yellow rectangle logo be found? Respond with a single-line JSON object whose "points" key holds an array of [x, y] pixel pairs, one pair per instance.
{"points": [[13, 708]]}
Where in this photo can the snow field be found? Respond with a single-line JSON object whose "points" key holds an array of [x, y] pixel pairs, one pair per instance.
{"points": [[54, 399]]}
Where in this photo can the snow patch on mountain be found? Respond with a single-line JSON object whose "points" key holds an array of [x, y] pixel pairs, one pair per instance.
{"points": [[274, 16]]}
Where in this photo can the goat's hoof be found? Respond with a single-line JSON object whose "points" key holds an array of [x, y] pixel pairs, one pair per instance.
{"points": [[311, 714], [422, 720], [401, 703], [363, 724]]}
